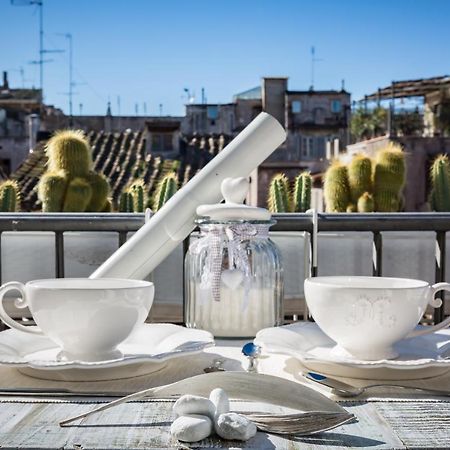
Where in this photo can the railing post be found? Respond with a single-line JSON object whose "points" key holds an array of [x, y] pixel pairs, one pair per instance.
{"points": [[440, 272], [59, 254], [1, 279], [377, 255], [122, 238], [185, 251]]}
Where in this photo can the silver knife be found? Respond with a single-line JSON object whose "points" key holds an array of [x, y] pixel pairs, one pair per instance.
{"points": [[346, 390], [45, 392]]}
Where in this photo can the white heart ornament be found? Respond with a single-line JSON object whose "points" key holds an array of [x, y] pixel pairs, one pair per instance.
{"points": [[234, 190], [232, 278]]}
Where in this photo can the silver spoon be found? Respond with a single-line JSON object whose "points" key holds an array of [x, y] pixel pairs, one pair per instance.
{"points": [[346, 390]]}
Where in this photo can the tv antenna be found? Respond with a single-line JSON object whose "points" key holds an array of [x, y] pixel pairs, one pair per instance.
{"points": [[72, 83], [313, 63], [42, 51], [22, 75]]}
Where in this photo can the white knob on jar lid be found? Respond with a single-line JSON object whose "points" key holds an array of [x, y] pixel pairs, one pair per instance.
{"points": [[234, 190]]}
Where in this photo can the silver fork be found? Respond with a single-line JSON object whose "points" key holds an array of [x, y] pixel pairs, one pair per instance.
{"points": [[300, 424]]}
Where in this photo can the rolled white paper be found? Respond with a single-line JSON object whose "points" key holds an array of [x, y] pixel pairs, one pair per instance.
{"points": [[155, 240]]}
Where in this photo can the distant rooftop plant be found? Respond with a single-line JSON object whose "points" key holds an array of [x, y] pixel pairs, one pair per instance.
{"points": [[365, 185], [70, 184]]}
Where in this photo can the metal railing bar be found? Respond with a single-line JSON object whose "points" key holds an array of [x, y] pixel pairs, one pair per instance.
{"points": [[364, 222], [285, 222], [440, 251], [71, 222], [59, 254]]}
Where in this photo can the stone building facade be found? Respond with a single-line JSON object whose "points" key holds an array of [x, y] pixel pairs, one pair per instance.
{"points": [[19, 123], [311, 118]]}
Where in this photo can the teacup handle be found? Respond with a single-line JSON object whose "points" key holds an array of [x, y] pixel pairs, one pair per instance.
{"points": [[19, 303], [435, 303]]}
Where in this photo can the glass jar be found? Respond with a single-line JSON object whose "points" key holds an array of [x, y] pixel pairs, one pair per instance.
{"points": [[233, 278]]}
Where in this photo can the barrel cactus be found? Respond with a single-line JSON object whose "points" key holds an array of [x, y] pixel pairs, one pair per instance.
{"points": [[359, 176], [366, 203], [389, 178], [278, 200], [336, 188], [440, 181], [70, 184], [9, 196], [165, 190], [301, 196]]}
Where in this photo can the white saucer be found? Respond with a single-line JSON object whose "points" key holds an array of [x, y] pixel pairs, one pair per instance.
{"points": [[146, 351], [420, 357]]}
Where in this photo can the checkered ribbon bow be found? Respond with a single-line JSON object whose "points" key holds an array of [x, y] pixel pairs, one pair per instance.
{"points": [[214, 240]]}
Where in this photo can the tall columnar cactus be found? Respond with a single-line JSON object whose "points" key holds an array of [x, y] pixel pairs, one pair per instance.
{"points": [[389, 178], [9, 196], [278, 200], [126, 202], [70, 184], [301, 196], [366, 203], [440, 182], [165, 190], [139, 196], [359, 176], [336, 188]]}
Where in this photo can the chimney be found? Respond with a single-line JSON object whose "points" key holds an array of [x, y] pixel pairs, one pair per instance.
{"points": [[33, 128], [5, 81], [274, 97]]}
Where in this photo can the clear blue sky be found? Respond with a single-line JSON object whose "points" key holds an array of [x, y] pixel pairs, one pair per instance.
{"points": [[149, 50]]}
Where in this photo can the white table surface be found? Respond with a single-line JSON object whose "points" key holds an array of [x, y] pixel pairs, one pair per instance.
{"points": [[385, 420]]}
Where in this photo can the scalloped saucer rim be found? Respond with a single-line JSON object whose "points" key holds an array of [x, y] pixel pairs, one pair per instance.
{"points": [[39, 352], [422, 356]]}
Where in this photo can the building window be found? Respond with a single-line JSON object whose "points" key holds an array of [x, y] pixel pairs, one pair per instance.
{"points": [[296, 106], [212, 112], [336, 106], [161, 142]]}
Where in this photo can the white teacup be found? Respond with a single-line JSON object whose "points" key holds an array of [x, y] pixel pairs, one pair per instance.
{"points": [[367, 315], [87, 318]]}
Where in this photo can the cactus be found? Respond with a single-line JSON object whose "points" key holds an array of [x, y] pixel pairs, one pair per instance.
{"points": [[100, 192], [301, 196], [366, 203], [70, 176], [440, 181], [107, 207], [336, 188], [389, 178], [359, 176], [126, 202], [166, 189], [78, 195], [137, 190], [9, 196], [69, 150], [278, 200], [51, 191], [351, 208]]}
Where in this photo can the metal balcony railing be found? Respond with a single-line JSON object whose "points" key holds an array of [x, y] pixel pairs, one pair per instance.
{"points": [[122, 224]]}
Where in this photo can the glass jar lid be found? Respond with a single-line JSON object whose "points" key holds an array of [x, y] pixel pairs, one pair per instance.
{"points": [[234, 191]]}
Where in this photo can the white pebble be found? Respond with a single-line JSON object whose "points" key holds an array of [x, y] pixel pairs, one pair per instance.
{"points": [[194, 404], [220, 400], [234, 427], [191, 428]]}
